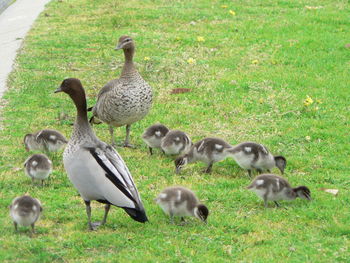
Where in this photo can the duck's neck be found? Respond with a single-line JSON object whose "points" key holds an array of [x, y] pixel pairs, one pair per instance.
{"points": [[128, 68], [81, 125], [190, 156]]}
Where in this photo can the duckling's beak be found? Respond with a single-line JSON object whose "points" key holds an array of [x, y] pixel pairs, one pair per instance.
{"points": [[58, 90]]}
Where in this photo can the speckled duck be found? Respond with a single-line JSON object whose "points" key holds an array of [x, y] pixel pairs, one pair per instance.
{"points": [[124, 101]]}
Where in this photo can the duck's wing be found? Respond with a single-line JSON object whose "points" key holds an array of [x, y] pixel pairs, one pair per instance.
{"points": [[119, 175], [109, 86]]}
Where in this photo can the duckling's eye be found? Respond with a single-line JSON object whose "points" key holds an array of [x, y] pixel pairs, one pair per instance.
{"points": [[128, 40]]}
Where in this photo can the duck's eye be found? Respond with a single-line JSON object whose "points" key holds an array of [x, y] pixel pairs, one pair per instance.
{"points": [[128, 40]]}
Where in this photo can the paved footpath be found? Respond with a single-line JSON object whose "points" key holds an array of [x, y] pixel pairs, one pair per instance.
{"points": [[15, 22]]}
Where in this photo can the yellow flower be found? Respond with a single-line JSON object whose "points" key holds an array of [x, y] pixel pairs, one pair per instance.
{"points": [[232, 12], [177, 38], [191, 61], [200, 39], [319, 101], [261, 100], [255, 61], [308, 101], [224, 6], [146, 58]]}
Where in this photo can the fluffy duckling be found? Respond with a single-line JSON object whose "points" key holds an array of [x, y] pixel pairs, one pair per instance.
{"points": [[208, 150], [25, 211], [180, 201], [44, 140], [251, 155], [153, 136], [38, 166], [176, 142], [270, 187], [95, 168]]}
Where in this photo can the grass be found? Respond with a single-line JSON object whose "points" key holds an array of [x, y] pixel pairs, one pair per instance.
{"points": [[249, 80]]}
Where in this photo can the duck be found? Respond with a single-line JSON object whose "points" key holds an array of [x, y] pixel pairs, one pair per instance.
{"points": [[38, 166], [94, 167], [123, 101], [25, 211], [254, 156], [44, 140], [176, 142], [270, 187], [208, 150], [181, 201], [153, 136]]}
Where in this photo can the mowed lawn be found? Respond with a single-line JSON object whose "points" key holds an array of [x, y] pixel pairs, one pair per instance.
{"points": [[274, 72]]}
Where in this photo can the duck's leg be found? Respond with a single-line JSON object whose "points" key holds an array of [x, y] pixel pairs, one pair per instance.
{"points": [[208, 170], [92, 226], [33, 230], [183, 222], [259, 171], [150, 150], [171, 217], [107, 207], [250, 173], [127, 137], [88, 212], [265, 203], [265, 199], [111, 132], [15, 224], [268, 170]]}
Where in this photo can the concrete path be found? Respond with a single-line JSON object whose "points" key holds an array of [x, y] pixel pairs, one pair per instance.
{"points": [[15, 22]]}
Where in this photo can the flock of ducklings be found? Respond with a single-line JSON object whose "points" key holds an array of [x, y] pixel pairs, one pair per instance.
{"points": [[176, 200]]}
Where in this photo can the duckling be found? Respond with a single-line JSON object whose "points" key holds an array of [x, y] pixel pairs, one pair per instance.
{"points": [[44, 140], [153, 136], [270, 187], [25, 211], [208, 150], [251, 155], [38, 166], [176, 142], [180, 201]]}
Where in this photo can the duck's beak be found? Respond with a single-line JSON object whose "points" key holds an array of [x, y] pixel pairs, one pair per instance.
{"points": [[118, 47], [58, 90]]}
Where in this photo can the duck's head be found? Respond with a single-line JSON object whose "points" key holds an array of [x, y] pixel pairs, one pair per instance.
{"points": [[180, 162], [201, 212], [281, 163], [303, 192], [71, 86], [75, 90], [125, 42], [28, 139]]}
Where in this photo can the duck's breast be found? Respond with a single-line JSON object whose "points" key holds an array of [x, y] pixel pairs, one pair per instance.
{"points": [[90, 180]]}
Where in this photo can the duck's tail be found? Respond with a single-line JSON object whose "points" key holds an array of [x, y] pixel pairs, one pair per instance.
{"points": [[138, 215]]}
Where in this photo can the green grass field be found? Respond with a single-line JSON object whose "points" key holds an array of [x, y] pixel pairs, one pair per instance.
{"points": [[249, 70]]}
